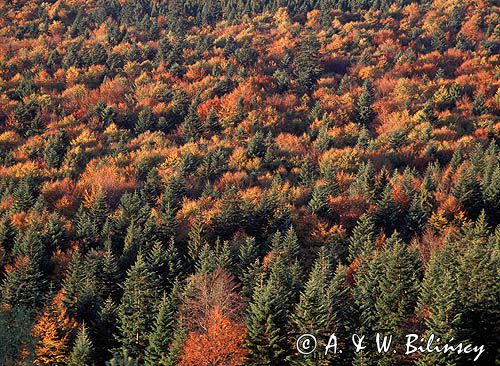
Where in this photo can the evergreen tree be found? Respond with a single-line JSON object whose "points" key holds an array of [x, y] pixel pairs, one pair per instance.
{"points": [[247, 254], [312, 314], [163, 331], [56, 149], [266, 339], [479, 106], [145, 121], [388, 214], [307, 173], [192, 127], [24, 194], [15, 334], [305, 64], [24, 285], [180, 105], [82, 350], [136, 310], [386, 293], [467, 189], [362, 240], [212, 124], [255, 146], [122, 359], [103, 331], [7, 234], [319, 201], [365, 113], [166, 264], [461, 302]]}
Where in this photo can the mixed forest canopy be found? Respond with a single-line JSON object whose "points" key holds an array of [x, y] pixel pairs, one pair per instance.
{"points": [[200, 182]]}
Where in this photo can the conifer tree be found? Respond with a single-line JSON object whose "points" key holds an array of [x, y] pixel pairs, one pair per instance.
{"points": [[24, 194], [136, 310], [319, 201], [192, 127], [312, 313], [212, 124], [256, 146], [361, 242], [166, 264], [110, 274], [24, 285], [266, 339], [386, 293], [305, 64], [104, 330], [247, 254], [388, 214], [365, 113], [15, 335], [82, 350], [468, 191], [7, 234], [56, 149], [163, 331], [479, 106]]}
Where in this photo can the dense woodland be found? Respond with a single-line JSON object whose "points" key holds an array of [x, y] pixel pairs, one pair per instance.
{"points": [[199, 182]]}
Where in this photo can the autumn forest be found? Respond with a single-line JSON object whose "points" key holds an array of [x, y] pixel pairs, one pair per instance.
{"points": [[200, 182]]}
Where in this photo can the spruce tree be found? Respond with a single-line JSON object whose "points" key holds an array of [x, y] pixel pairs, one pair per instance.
{"points": [[467, 189], [247, 254], [136, 310], [305, 65], [361, 241], [312, 313], [266, 342], [192, 127], [56, 149], [163, 330], [166, 264], [388, 215], [83, 349], [212, 124], [386, 293], [365, 113]]}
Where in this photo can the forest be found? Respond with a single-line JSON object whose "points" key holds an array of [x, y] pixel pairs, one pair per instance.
{"points": [[200, 182]]}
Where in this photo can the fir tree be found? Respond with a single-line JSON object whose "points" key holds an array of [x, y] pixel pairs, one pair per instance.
{"points": [[266, 339], [82, 350], [56, 149], [135, 312], [312, 313], [144, 121], [305, 64], [163, 331], [212, 124], [361, 242], [479, 106], [365, 113], [24, 285], [192, 127], [467, 189]]}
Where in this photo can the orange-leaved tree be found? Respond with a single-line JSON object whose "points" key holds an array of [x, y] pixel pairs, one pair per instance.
{"points": [[220, 345], [53, 331]]}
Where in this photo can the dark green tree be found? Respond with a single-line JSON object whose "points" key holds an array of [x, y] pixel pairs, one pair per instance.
{"points": [[163, 331], [364, 111], [362, 239], [83, 349], [56, 149], [136, 310]]}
